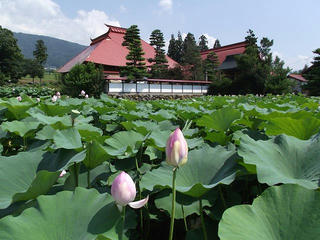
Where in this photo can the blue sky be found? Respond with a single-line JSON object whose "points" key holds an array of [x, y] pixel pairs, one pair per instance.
{"points": [[292, 24]]}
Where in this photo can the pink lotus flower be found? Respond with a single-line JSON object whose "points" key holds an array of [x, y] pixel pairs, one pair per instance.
{"points": [[19, 98], [86, 96], [176, 149], [123, 191], [54, 98], [58, 94], [82, 93], [63, 173]]}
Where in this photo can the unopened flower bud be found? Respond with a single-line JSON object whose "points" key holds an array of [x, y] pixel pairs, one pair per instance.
{"points": [[176, 149]]}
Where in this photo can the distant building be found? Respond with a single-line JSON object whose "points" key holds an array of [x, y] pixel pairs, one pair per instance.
{"points": [[107, 50], [226, 55], [299, 81]]}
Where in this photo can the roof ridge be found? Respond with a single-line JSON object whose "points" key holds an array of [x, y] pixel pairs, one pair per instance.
{"points": [[230, 46]]}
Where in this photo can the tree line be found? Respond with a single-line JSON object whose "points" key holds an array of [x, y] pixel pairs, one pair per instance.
{"points": [[13, 65]]}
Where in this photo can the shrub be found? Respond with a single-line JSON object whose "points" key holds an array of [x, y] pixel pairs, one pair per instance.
{"points": [[220, 85], [83, 77]]}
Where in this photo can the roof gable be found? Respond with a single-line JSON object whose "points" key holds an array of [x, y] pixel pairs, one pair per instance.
{"points": [[107, 49], [224, 51]]}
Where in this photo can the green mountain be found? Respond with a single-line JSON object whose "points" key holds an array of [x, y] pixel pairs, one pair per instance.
{"points": [[59, 51]]}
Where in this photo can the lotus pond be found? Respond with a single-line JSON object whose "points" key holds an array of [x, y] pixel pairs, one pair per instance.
{"points": [[253, 168]]}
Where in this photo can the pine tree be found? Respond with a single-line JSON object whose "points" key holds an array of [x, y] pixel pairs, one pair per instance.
{"points": [[40, 54], [217, 44], [203, 43], [210, 66], [313, 75], [158, 69], [179, 48], [172, 49], [254, 66], [135, 65], [277, 82], [191, 57], [10, 57]]}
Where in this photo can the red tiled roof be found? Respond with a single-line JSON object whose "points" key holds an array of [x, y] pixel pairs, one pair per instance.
{"points": [[297, 77], [224, 51], [107, 50]]}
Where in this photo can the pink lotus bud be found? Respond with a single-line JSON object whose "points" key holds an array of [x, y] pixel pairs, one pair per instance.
{"points": [[63, 173], [176, 149], [123, 191], [38, 99], [58, 94], [82, 93], [54, 98], [19, 98], [86, 96]]}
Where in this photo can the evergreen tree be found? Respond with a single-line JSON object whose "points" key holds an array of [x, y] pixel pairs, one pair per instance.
{"points": [[203, 43], [175, 49], [172, 49], [277, 82], [159, 68], [33, 68], [313, 75], [10, 57], [254, 67], [210, 66], [179, 47], [217, 44], [191, 57], [135, 68], [40, 54]]}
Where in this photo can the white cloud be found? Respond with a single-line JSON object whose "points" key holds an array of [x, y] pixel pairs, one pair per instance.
{"points": [[166, 5], [277, 54], [123, 9], [293, 62], [45, 17], [211, 40]]}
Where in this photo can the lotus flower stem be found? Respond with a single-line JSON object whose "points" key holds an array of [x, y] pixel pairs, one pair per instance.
{"points": [[222, 198], [184, 218], [76, 174], [173, 209], [123, 216], [138, 186], [88, 178], [204, 230]]}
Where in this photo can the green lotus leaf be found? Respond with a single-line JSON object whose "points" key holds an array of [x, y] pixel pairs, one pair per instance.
{"points": [[162, 115], [20, 178], [67, 138], [96, 154], [47, 132], [159, 138], [55, 109], [49, 120], [83, 214], [88, 132], [124, 144], [281, 212], [206, 168], [220, 120], [185, 205], [284, 159], [20, 128], [302, 128], [16, 110]]}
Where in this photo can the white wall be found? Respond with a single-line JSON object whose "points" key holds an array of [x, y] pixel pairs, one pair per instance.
{"points": [[156, 88]]}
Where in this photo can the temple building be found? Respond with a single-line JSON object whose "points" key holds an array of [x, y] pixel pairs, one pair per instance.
{"points": [[107, 50], [226, 55]]}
